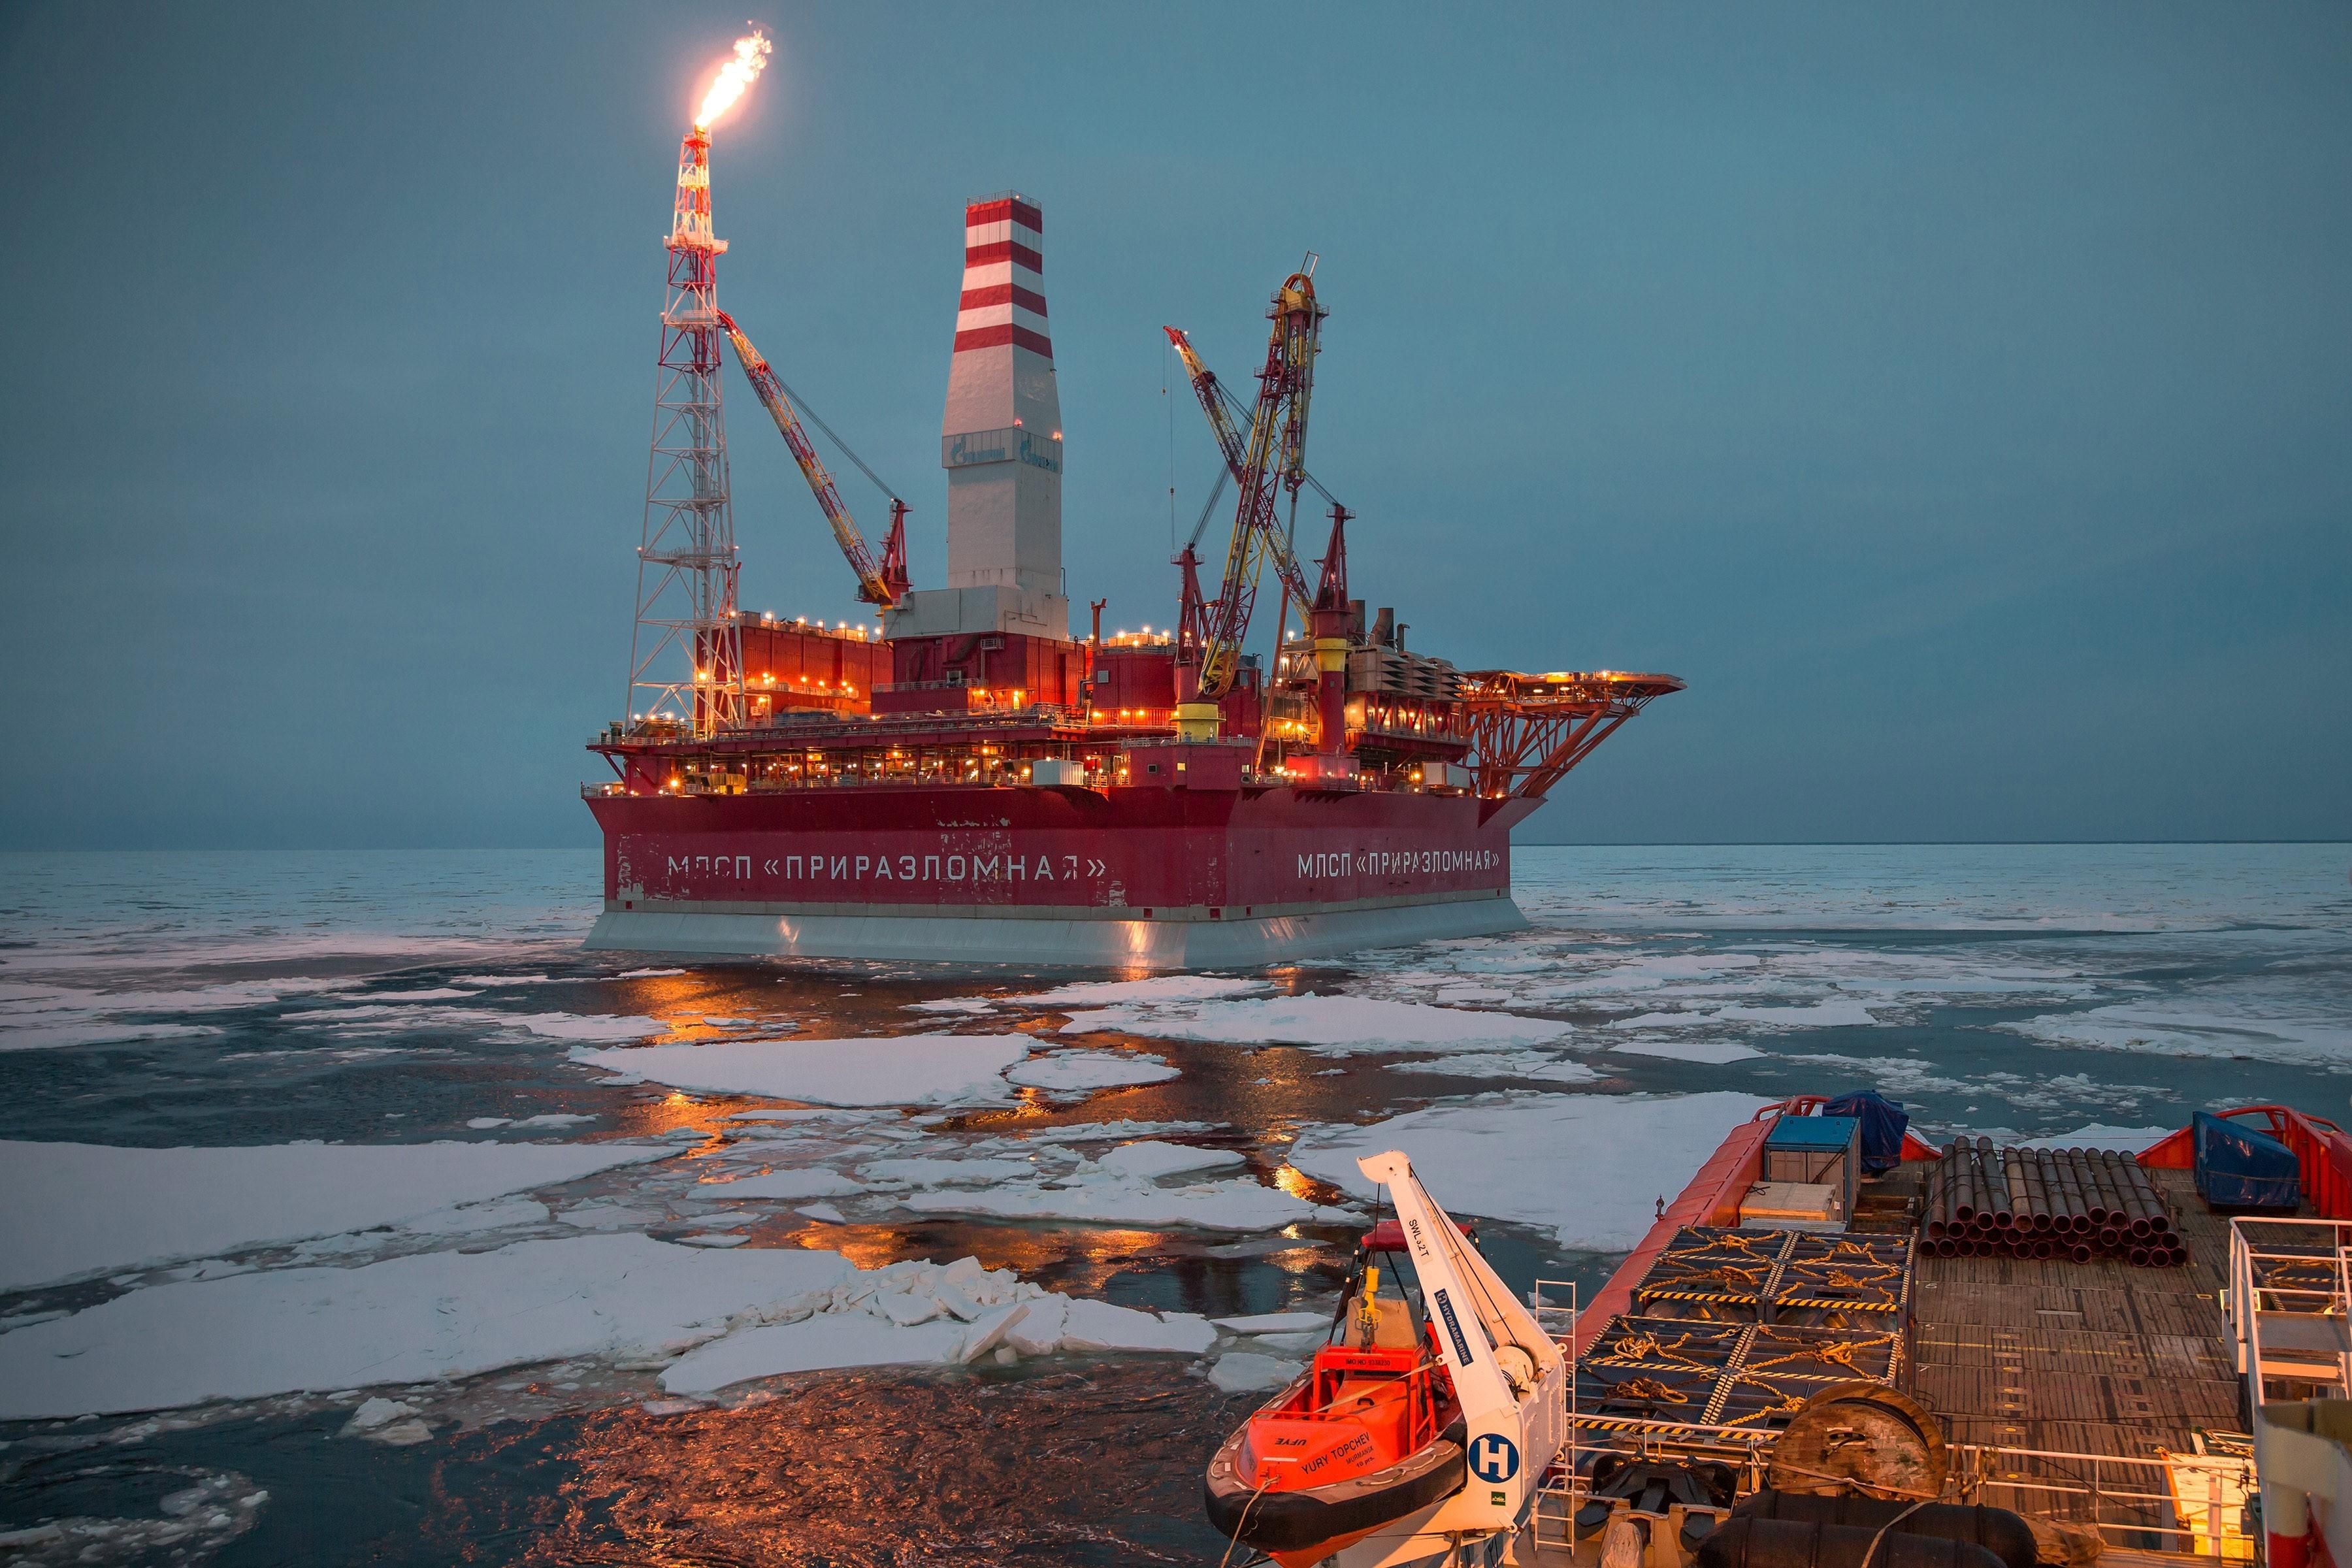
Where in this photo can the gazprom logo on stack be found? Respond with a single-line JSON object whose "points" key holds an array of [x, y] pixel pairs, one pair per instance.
{"points": [[1012, 444]]}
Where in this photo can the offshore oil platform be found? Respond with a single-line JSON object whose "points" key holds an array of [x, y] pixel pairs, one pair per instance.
{"points": [[976, 784]]}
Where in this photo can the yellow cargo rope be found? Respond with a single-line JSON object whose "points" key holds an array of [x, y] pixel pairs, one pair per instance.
{"points": [[1833, 1353]]}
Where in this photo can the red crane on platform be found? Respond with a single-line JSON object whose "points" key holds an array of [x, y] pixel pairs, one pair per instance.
{"points": [[883, 584], [1269, 461]]}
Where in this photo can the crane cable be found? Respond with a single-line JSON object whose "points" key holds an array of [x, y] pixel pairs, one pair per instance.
{"points": [[818, 420], [1238, 406]]}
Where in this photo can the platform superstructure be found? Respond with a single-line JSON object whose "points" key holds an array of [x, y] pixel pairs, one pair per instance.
{"points": [[967, 779]]}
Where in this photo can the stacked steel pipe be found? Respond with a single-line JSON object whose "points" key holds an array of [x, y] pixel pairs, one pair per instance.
{"points": [[2047, 1203]]}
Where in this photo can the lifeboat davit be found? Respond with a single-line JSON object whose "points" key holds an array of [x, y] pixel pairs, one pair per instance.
{"points": [[1426, 1422]]}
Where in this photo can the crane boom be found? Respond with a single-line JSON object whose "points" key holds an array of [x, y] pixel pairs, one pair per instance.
{"points": [[1215, 401], [884, 585], [1271, 459]]}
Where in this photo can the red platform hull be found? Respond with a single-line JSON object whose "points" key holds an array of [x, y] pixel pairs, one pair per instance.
{"points": [[970, 871]]}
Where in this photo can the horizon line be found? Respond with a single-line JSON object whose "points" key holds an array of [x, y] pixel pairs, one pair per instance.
{"points": [[1535, 844]]}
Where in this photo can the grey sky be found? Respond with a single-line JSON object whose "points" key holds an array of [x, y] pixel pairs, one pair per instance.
{"points": [[1958, 397]]}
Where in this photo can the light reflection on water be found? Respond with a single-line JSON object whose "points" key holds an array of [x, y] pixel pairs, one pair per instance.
{"points": [[1097, 1463], [1101, 1466]]}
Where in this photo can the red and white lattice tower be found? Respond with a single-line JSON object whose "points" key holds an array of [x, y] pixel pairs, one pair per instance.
{"points": [[686, 661], [1001, 441]]}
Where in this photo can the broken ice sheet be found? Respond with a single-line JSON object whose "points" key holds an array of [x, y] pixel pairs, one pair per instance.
{"points": [[1589, 1167], [1078, 1071], [107, 1208], [1538, 1067], [892, 1069], [1331, 1025]]}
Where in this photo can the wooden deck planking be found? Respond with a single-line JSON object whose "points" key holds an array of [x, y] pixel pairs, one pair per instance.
{"points": [[2094, 1358]]}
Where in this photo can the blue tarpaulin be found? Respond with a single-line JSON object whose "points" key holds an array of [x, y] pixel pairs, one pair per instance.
{"points": [[2239, 1167], [1883, 1124]]}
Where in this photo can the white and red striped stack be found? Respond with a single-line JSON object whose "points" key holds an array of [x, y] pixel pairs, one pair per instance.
{"points": [[1001, 441], [1003, 298]]}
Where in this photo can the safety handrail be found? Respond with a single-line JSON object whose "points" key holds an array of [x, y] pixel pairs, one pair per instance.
{"points": [[2290, 1241], [2142, 1489]]}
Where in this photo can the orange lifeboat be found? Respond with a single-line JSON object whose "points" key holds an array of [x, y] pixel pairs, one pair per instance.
{"points": [[1369, 1435], [1424, 1427]]}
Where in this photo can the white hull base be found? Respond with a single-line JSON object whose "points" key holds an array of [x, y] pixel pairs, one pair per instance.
{"points": [[1057, 943]]}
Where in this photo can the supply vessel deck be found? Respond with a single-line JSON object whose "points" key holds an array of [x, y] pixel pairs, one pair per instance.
{"points": [[969, 779], [2141, 1355]]}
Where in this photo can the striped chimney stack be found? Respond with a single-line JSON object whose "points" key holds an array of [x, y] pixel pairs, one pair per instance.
{"points": [[1001, 441]]}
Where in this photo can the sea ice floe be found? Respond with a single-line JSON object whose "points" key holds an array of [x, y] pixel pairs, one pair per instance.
{"points": [[1783, 986], [1153, 989], [608, 1213], [20, 998], [2256, 1022], [192, 1525], [405, 1319], [916, 1311], [1909, 1075], [1589, 1167], [827, 1113], [1275, 1322], [39, 1036], [1333, 1026], [1712, 1052], [928, 1171], [1151, 1159], [894, 1069], [374, 1415], [785, 1185], [101, 1209], [1122, 1131], [1818, 1016], [1093, 1325], [1815, 1016], [1537, 1067], [1093, 1194], [814, 1344], [466, 1219], [713, 1311], [1240, 1370], [1077, 1071], [380, 1017]]}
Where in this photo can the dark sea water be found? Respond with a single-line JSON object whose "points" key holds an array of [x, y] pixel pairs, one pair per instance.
{"points": [[158, 1000]]}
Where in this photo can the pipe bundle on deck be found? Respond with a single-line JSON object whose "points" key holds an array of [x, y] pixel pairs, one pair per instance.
{"points": [[2047, 1203]]}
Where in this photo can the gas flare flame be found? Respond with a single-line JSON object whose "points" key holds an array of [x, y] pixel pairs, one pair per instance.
{"points": [[751, 57]]}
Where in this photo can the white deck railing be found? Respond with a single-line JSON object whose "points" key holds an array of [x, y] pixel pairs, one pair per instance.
{"points": [[2289, 1301], [2186, 1504]]}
